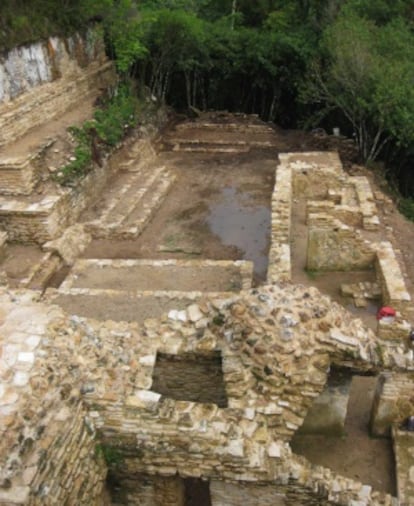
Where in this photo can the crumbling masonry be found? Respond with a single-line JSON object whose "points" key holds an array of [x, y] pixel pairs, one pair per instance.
{"points": [[213, 388]]}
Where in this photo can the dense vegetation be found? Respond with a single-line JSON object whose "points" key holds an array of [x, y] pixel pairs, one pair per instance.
{"points": [[347, 63], [96, 137]]}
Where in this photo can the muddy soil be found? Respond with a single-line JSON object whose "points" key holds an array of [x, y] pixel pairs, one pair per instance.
{"points": [[218, 208]]}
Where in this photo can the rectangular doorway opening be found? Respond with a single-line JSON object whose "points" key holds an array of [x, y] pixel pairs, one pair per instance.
{"points": [[197, 492], [190, 377]]}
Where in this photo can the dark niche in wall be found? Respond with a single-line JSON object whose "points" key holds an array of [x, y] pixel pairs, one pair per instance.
{"points": [[190, 377]]}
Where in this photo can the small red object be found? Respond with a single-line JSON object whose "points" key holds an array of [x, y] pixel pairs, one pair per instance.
{"points": [[385, 311]]}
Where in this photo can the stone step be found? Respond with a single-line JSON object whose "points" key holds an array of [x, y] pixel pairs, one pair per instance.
{"points": [[150, 201], [31, 219], [122, 197], [226, 127], [199, 142], [134, 197], [210, 148], [134, 290], [403, 443], [131, 216]]}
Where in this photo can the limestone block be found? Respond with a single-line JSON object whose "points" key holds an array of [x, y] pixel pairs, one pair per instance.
{"points": [[71, 244], [393, 402], [336, 247], [394, 290], [30, 93]]}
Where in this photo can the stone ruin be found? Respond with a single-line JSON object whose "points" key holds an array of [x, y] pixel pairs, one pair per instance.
{"points": [[205, 389]]}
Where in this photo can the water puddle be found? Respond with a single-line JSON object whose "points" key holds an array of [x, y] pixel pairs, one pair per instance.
{"points": [[238, 220]]}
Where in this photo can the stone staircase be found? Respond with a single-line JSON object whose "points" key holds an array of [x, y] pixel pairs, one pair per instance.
{"points": [[135, 290], [129, 204], [220, 133], [46, 88]]}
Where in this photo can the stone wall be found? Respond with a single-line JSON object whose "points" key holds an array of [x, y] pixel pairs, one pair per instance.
{"points": [[47, 219], [41, 81], [75, 390], [334, 246], [265, 494], [18, 175], [32, 221], [279, 266], [47, 445], [394, 291], [393, 401]]}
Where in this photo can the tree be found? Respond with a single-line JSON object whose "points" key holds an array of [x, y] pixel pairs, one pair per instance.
{"points": [[366, 72]]}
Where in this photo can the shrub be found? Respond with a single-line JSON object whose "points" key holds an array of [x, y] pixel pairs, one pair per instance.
{"points": [[108, 128], [406, 206]]}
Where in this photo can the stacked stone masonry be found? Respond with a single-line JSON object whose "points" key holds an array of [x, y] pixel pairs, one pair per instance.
{"points": [[335, 229], [276, 345], [81, 398], [41, 81]]}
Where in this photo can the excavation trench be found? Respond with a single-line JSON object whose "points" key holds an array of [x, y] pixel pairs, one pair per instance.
{"points": [[217, 209]]}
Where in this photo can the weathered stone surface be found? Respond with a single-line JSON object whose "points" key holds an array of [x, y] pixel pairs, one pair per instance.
{"points": [[71, 244], [268, 393], [74, 390], [66, 70]]}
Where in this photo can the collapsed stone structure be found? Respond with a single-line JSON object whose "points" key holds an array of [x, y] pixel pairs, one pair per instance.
{"points": [[209, 390]]}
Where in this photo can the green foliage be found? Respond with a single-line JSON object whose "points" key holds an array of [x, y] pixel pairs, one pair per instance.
{"points": [[113, 457], [406, 206], [24, 21], [119, 115], [280, 58], [106, 130], [366, 72], [125, 28]]}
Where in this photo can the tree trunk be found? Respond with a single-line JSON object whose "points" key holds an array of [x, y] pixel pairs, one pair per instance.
{"points": [[233, 13], [188, 89]]}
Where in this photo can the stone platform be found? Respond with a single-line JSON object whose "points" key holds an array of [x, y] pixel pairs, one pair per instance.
{"points": [[124, 385], [237, 134], [134, 290]]}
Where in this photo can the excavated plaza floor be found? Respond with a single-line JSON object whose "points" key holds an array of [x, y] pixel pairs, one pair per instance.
{"points": [[217, 207]]}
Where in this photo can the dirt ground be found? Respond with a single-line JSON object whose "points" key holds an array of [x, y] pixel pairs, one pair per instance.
{"points": [[355, 455], [219, 208], [166, 277], [206, 203]]}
